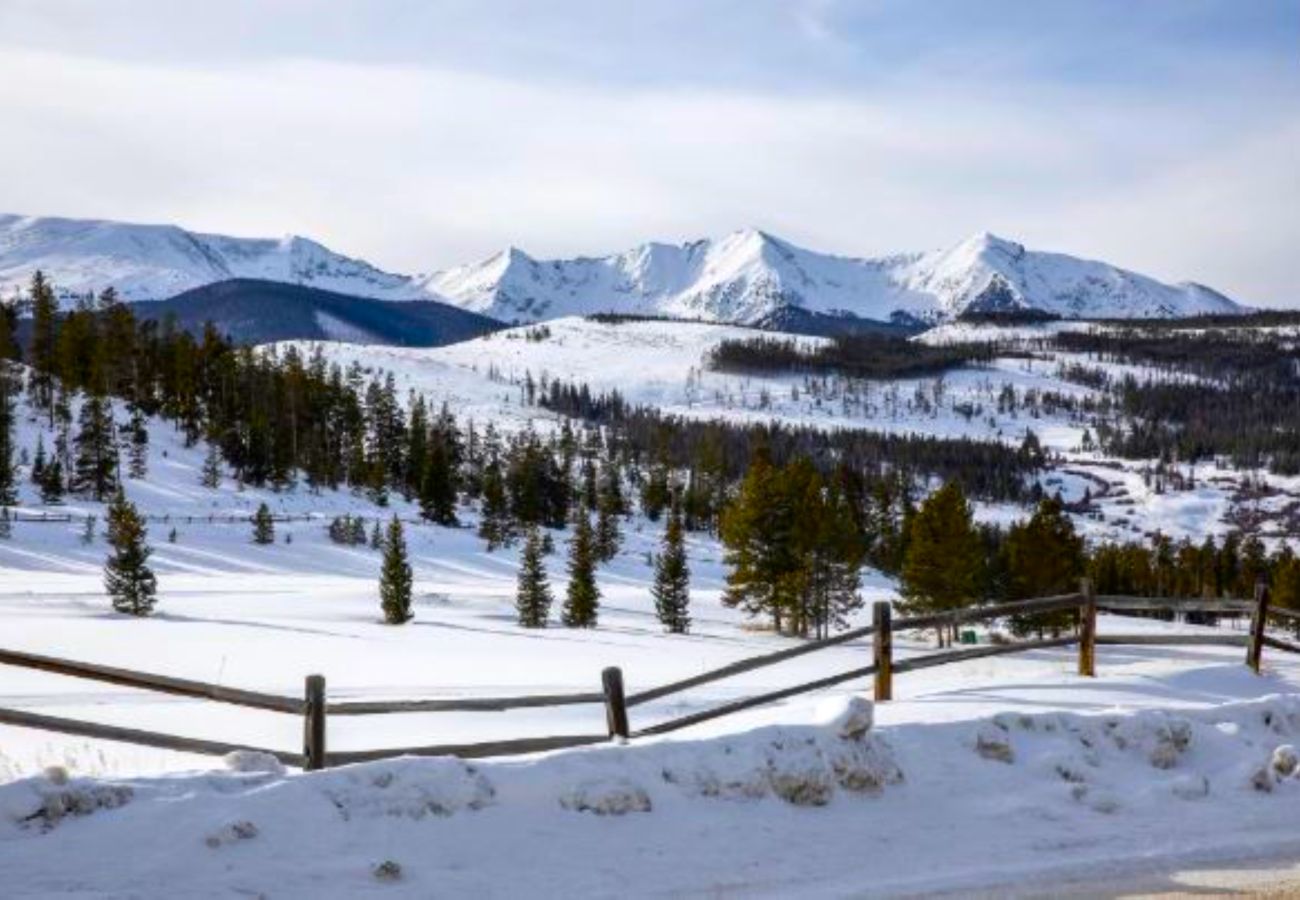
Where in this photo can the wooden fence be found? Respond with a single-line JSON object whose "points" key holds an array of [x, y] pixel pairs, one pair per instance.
{"points": [[314, 708]]}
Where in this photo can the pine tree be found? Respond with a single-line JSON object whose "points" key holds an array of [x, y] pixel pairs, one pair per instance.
{"points": [[8, 487], [138, 448], [52, 486], [211, 475], [1044, 557], [533, 595], [494, 517], [582, 599], [758, 534], [44, 340], [672, 587], [941, 570], [376, 537], [263, 526], [38, 462], [608, 538], [127, 576], [6, 524], [438, 486], [395, 577], [96, 464]]}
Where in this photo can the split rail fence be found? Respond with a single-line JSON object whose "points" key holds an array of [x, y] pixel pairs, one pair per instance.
{"points": [[315, 709]]}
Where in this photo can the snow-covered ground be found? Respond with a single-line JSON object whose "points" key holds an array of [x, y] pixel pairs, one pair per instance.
{"points": [[979, 775]]}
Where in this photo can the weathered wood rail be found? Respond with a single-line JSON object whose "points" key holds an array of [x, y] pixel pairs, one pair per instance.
{"points": [[315, 708]]}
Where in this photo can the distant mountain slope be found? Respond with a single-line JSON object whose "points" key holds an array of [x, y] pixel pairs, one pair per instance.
{"points": [[154, 262], [751, 277], [259, 312]]}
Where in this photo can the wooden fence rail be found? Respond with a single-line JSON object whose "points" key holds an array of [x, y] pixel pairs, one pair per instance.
{"points": [[315, 708]]}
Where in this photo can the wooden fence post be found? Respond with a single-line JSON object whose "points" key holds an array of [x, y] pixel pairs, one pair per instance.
{"points": [[883, 650], [1088, 630], [611, 680], [313, 726], [1255, 647]]}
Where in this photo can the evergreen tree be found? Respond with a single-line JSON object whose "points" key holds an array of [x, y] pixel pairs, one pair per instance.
{"points": [[376, 537], [582, 600], [8, 387], [438, 486], [210, 477], [1044, 557], [395, 577], [130, 582], [52, 486], [263, 525], [533, 595], [44, 340], [758, 533], [942, 568], [96, 464], [138, 449], [6, 523], [608, 510], [494, 517], [38, 462], [672, 587]]}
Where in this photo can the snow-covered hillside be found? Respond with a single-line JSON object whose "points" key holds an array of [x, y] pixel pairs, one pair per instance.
{"points": [[154, 262], [749, 276]]}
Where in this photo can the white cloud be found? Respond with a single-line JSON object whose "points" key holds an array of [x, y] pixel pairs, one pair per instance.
{"points": [[417, 168]]}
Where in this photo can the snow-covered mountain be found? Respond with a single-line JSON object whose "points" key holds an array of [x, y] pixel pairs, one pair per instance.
{"points": [[154, 262], [750, 277]]}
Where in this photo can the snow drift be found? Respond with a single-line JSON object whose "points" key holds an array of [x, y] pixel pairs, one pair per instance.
{"points": [[829, 808]]}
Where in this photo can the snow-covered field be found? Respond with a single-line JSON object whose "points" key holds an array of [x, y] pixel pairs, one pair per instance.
{"points": [[979, 775]]}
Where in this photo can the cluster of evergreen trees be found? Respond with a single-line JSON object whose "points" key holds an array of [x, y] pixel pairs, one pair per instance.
{"points": [[794, 547], [1241, 401], [874, 356], [949, 562]]}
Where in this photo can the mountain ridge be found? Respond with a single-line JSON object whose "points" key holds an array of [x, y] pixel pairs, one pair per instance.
{"points": [[749, 276]]}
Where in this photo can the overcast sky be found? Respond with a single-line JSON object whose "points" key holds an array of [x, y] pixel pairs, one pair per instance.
{"points": [[1162, 135]]}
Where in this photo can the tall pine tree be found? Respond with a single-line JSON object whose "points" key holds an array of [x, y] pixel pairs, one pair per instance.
{"points": [[130, 582], [533, 594], [672, 586], [395, 577], [263, 525], [582, 599], [941, 570]]}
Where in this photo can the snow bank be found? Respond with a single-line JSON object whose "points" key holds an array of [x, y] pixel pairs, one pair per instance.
{"points": [[773, 807]]}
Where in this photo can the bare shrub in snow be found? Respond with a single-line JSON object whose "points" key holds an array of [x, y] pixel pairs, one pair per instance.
{"points": [[865, 765], [388, 870], [56, 775], [45, 802], [607, 797], [1261, 779], [1285, 761], [992, 742]]}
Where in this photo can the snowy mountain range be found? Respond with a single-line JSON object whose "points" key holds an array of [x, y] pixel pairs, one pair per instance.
{"points": [[155, 262], [747, 277], [750, 277]]}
